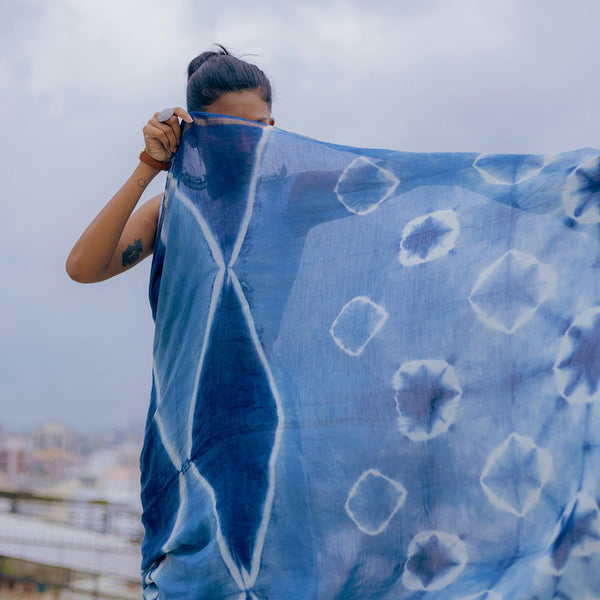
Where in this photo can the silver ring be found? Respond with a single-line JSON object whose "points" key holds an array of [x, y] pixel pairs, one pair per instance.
{"points": [[164, 115]]}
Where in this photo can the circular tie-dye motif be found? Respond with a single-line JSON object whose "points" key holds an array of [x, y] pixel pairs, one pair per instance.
{"points": [[426, 394], [576, 534], [509, 169], [515, 473], [577, 367], [581, 195], [509, 291], [359, 321], [359, 198], [435, 559], [428, 237], [373, 500]]}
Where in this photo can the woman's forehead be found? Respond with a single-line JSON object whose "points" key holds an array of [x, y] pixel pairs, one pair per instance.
{"points": [[244, 104]]}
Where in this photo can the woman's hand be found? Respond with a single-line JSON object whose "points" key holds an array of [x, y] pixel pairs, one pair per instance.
{"points": [[162, 139]]}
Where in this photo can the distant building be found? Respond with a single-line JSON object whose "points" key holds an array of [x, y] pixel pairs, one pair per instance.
{"points": [[14, 451], [54, 436], [54, 453]]}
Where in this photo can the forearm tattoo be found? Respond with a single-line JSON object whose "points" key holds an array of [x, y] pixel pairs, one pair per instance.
{"points": [[132, 253], [141, 182]]}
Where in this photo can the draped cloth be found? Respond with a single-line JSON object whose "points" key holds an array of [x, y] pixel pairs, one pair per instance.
{"points": [[376, 373]]}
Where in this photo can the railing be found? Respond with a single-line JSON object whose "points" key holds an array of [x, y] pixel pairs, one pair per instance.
{"points": [[94, 515], [69, 548]]}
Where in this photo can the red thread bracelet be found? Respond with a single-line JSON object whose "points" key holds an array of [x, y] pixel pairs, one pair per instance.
{"points": [[152, 162]]}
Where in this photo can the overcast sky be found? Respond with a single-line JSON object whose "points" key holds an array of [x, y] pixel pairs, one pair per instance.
{"points": [[79, 79]]}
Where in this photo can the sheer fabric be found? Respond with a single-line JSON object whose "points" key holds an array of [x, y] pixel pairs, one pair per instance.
{"points": [[376, 373]]}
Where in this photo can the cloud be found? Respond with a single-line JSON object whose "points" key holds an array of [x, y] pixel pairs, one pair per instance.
{"points": [[109, 45], [82, 78]]}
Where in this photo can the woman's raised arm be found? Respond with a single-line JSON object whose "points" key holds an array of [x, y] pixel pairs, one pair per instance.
{"points": [[116, 239]]}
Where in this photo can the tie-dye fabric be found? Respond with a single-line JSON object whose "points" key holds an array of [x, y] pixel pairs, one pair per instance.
{"points": [[376, 373]]}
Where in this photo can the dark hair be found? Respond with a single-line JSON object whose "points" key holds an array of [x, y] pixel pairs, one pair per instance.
{"points": [[213, 73]]}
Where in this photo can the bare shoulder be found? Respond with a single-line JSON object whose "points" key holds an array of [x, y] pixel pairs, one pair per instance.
{"points": [[143, 224]]}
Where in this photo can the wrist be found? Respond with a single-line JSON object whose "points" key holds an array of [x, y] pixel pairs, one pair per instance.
{"points": [[143, 175], [153, 163]]}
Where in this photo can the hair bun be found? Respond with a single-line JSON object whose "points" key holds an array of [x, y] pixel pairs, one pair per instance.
{"points": [[216, 72], [197, 62]]}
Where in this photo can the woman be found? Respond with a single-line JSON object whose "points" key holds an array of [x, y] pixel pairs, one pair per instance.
{"points": [[116, 239]]}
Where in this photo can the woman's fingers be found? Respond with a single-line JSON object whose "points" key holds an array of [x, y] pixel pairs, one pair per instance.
{"points": [[154, 133], [183, 114], [173, 121], [168, 129], [162, 138], [158, 144]]}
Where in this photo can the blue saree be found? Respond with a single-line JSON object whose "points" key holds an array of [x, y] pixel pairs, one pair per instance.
{"points": [[376, 373]]}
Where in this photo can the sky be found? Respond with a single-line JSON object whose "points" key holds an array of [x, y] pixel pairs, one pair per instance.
{"points": [[79, 79]]}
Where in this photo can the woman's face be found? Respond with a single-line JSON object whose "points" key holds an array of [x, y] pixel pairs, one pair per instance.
{"points": [[245, 104]]}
